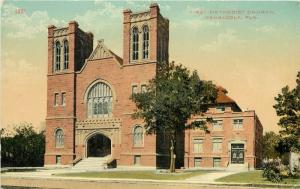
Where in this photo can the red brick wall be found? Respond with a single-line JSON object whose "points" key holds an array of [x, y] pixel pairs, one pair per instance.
{"points": [[120, 79], [62, 117], [246, 134]]}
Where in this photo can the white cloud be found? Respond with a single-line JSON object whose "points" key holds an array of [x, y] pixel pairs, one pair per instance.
{"points": [[265, 29], [224, 41], [97, 20], [25, 25]]}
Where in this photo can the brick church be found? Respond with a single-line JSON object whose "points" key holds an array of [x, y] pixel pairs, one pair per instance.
{"points": [[89, 108]]}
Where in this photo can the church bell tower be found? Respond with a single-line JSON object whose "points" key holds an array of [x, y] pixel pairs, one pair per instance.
{"points": [[145, 36]]}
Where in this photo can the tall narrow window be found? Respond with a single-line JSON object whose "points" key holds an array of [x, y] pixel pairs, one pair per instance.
{"points": [[138, 136], [57, 56], [59, 138], [197, 161], [66, 55], [198, 145], [143, 88], [145, 42], [63, 99], [134, 89], [55, 99], [137, 160], [58, 159], [135, 43], [217, 145], [216, 162]]}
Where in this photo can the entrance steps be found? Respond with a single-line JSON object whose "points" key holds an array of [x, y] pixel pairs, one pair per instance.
{"points": [[92, 164], [237, 167]]}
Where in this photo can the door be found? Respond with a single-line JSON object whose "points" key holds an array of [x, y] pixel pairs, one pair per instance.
{"points": [[98, 146], [237, 153]]}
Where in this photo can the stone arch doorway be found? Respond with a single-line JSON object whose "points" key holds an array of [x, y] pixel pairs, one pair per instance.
{"points": [[98, 145]]}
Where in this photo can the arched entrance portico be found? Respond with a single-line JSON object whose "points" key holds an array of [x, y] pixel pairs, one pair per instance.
{"points": [[98, 145]]}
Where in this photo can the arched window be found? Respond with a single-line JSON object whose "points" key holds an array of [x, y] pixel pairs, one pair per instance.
{"points": [[138, 136], [66, 55], [59, 138], [57, 56], [99, 101], [145, 42], [135, 43]]}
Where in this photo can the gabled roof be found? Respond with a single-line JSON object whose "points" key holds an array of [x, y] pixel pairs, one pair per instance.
{"points": [[101, 52]]}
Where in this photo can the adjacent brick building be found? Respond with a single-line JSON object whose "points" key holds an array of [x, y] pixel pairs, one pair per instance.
{"points": [[89, 109]]}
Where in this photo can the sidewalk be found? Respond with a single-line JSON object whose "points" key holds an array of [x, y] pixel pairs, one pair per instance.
{"points": [[211, 177]]}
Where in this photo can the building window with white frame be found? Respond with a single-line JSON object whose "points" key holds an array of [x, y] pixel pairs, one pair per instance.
{"points": [[198, 145], [216, 162], [217, 124], [145, 42], [138, 136], [58, 159], [137, 160], [57, 56], [59, 138], [63, 99], [134, 89], [197, 161], [237, 123], [135, 43], [217, 145], [143, 88], [56, 96], [66, 55]]}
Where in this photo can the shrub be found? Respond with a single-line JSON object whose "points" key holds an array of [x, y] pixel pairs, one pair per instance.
{"points": [[271, 171], [23, 147]]}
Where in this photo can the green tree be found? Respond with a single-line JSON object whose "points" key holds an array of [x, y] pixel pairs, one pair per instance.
{"points": [[23, 147], [288, 109], [172, 97], [269, 142]]}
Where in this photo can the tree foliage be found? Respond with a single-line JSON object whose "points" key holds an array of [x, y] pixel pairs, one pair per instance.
{"points": [[172, 97], [23, 147], [288, 109], [270, 142], [271, 171]]}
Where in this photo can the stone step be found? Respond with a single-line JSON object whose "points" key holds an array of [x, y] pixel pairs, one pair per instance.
{"points": [[92, 164]]}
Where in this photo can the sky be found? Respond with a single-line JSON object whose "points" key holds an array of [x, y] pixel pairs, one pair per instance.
{"points": [[253, 56]]}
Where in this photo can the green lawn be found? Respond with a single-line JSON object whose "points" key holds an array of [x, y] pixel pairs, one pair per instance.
{"points": [[136, 175], [254, 177]]}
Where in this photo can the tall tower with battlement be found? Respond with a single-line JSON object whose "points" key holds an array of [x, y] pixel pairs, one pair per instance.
{"points": [[145, 36], [68, 48]]}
